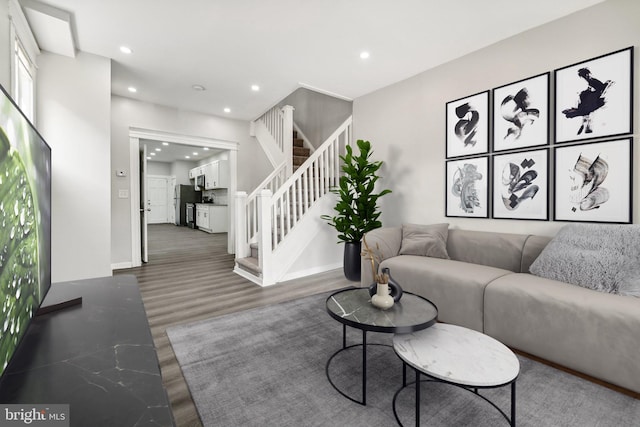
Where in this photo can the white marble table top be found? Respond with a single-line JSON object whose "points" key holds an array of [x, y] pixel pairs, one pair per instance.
{"points": [[458, 355]]}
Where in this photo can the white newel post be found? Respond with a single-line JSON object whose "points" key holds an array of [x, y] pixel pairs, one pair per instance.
{"points": [[264, 237], [242, 246], [287, 148]]}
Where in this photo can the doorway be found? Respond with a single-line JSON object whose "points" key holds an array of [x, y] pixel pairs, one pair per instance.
{"points": [[158, 199], [140, 217]]}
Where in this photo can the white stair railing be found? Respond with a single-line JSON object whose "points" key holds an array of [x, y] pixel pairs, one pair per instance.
{"points": [[311, 181], [279, 124], [270, 213], [247, 210]]}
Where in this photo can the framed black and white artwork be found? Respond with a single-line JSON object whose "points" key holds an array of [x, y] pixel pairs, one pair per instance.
{"points": [[594, 98], [593, 182], [468, 125], [521, 185], [467, 189], [521, 114]]}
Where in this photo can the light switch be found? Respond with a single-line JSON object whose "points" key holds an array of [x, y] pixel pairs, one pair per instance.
{"points": [[123, 194]]}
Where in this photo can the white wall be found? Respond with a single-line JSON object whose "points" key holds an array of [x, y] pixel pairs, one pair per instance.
{"points": [[159, 168], [73, 110], [5, 46], [318, 115], [180, 169], [406, 121], [253, 165]]}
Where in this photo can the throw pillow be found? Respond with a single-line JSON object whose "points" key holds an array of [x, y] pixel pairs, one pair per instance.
{"points": [[425, 240], [603, 257]]}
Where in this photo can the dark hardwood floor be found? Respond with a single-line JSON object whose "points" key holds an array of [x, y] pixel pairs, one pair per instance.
{"points": [[189, 277]]}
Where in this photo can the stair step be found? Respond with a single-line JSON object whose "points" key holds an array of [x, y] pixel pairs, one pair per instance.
{"points": [[299, 160], [298, 142], [250, 264], [301, 151]]}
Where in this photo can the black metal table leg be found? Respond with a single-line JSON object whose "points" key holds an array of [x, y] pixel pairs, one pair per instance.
{"points": [[404, 374], [344, 336], [364, 367], [417, 398], [513, 403]]}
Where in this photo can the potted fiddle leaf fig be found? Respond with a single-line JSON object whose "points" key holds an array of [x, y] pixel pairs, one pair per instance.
{"points": [[357, 209]]}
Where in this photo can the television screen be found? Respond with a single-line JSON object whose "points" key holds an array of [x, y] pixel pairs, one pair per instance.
{"points": [[25, 224]]}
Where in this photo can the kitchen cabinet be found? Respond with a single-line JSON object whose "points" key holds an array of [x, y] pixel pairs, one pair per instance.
{"points": [[202, 217], [195, 172], [216, 174], [212, 218]]}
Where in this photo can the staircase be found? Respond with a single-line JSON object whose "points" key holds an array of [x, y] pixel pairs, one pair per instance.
{"points": [[300, 155], [300, 152], [277, 222]]}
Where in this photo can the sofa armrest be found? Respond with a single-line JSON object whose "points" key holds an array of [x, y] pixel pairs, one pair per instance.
{"points": [[385, 242]]}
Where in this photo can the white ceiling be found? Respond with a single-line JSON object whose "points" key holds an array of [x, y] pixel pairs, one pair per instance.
{"points": [[227, 46], [158, 152]]}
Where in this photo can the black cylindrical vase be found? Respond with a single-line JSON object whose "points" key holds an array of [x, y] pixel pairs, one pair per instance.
{"points": [[351, 262]]}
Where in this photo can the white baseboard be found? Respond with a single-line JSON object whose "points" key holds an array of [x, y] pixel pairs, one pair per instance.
{"points": [[250, 277], [121, 265], [310, 271]]}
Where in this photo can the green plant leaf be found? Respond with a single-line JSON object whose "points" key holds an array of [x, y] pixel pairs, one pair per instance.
{"points": [[19, 279], [357, 210]]}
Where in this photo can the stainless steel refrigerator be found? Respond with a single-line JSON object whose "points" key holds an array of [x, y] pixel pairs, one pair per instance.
{"points": [[184, 194]]}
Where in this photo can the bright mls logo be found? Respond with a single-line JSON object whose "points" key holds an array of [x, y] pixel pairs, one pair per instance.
{"points": [[34, 415]]}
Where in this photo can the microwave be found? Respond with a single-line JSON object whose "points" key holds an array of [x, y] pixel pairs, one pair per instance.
{"points": [[200, 181]]}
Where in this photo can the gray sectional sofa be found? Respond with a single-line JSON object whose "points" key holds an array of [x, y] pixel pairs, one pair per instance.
{"points": [[485, 285]]}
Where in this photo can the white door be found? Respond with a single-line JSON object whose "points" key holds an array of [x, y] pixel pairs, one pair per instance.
{"points": [[157, 200], [144, 209], [171, 191]]}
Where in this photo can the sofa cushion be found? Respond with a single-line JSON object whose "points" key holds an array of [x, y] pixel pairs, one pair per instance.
{"points": [[591, 332], [603, 257], [425, 240], [501, 250], [455, 287]]}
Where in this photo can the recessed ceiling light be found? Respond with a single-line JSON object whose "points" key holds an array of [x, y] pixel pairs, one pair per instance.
{"points": [[187, 157], [227, 110], [158, 149], [199, 88], [364, 55], [125, 49], [152, 154], [165, 143], [195, 154], [206, 148], [255, 88], [132, 89], [148, 157]]}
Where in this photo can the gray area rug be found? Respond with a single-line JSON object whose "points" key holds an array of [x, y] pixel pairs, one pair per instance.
{"points": [[266, 367]]}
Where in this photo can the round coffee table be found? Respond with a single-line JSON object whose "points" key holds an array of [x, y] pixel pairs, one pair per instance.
{"points": [[458, 356], [352, 307]]}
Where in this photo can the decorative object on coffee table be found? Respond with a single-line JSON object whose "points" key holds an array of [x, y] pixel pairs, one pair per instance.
{"points": [[357, 210], [381, 298], [393, 288]]}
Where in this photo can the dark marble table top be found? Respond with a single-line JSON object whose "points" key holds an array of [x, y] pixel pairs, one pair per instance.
{"points": [[99, 358], [353, 307]]}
